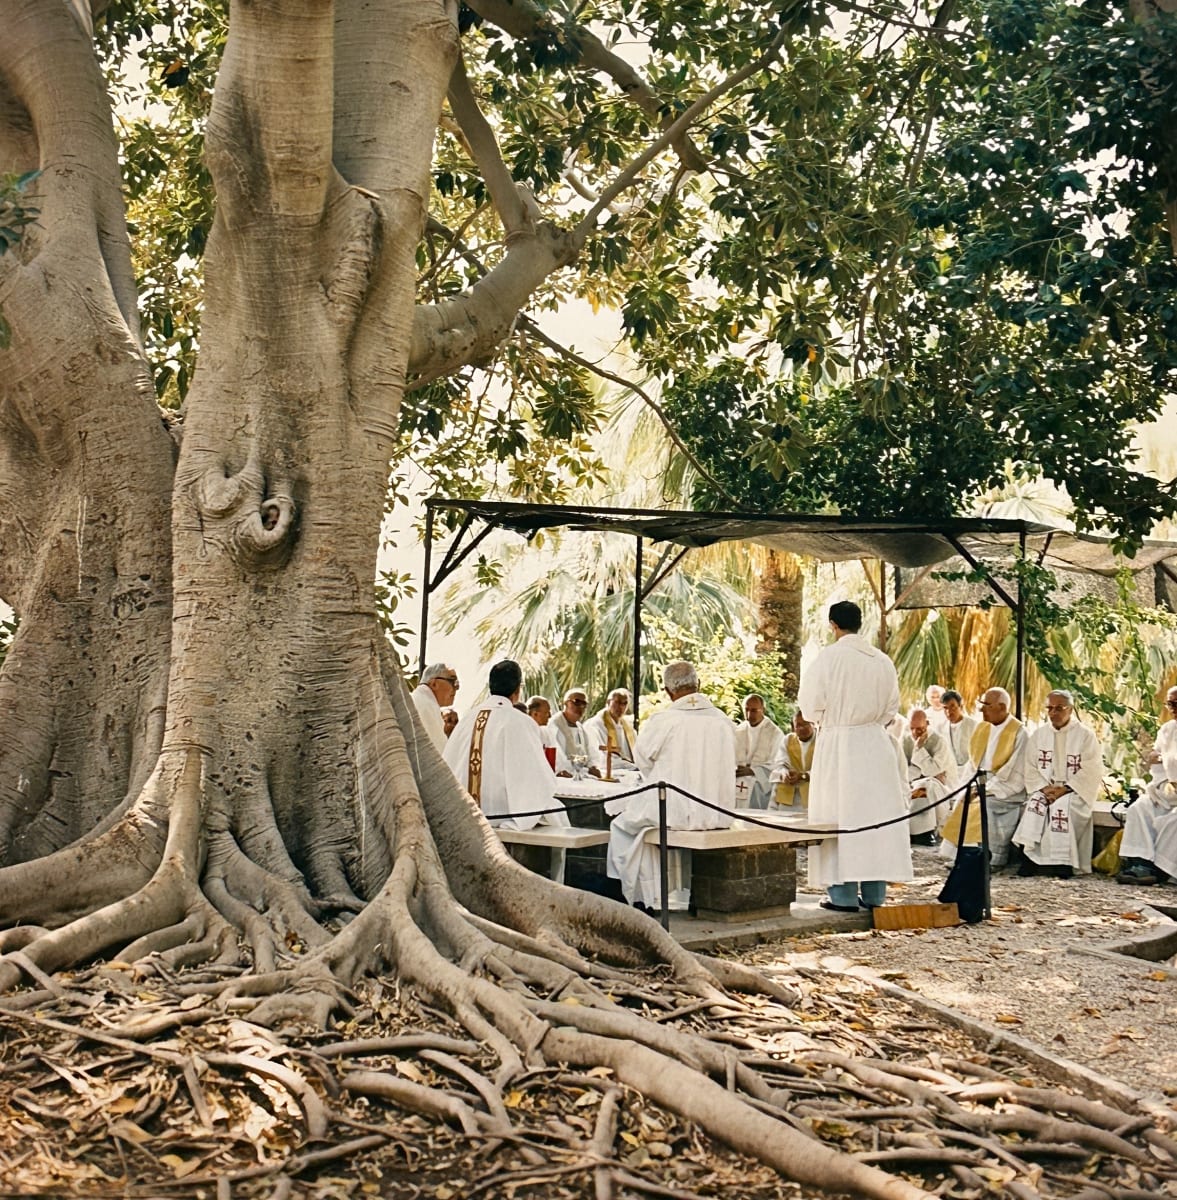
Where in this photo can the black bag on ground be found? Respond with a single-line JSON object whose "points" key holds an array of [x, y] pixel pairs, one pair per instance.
{"points": [[965, 885]]}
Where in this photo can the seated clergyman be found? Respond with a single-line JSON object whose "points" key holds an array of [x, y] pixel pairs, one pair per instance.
{"points": [[1149, 845], [540, 711], [611, 729], [931, 773], [997, 747], [692, 745], [759, 744], [1064, 772], [572, 735], [793, 769], [496, 755]]}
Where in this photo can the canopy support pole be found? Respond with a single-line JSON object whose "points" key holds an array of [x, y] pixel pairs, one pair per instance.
{"points": [[637, 630], [425, 590], [1020, 617]]}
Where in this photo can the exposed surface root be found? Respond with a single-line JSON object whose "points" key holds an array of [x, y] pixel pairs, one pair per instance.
{"points": [[546, 1028], [100, 1109]]}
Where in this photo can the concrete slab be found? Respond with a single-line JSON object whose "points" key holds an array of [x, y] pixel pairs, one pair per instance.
{"points": [[805, 919]]}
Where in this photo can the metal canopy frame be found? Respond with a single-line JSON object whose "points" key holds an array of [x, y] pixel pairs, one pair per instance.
{"points": [[918, 544]]}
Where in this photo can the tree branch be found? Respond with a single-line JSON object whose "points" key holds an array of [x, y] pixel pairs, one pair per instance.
{"points": [[515, 204], [527, 21], [684, 121], [565, 352], [937, 28], [467, 329], [44, 44]]}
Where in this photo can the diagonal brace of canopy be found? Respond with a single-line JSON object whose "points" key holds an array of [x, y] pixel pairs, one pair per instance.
{"points": [[987, 545]]}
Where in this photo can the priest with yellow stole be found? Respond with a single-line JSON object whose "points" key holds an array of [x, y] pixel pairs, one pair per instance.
{"points": [[612, 729], [792, 771], [998, 748]]}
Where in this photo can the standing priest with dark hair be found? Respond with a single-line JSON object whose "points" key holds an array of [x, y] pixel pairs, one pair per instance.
{"points": [[498, 757], [851, 693]]}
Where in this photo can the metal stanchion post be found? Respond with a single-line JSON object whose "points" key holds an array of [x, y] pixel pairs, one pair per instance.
{"points": [[984, 843], [663, 860]]}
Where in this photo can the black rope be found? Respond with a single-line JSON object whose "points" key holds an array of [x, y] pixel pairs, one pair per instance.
{"points": [[743, 815]]}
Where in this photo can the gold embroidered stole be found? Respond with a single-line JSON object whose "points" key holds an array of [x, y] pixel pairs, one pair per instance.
{"points": [[800, 756], [612, 727], [474, 771], [1001, 755]]}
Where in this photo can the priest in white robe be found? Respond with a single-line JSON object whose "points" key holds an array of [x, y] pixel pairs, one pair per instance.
{"points": [[437, 689], [1064, 773], [998, 747], [496, 755], [540, 711], [937, 717], [691, 744], [1149, 845], [611, 729], [852, 693], [759, 745], [572, 734], [931, 775], [795, 768], [959, 729]]}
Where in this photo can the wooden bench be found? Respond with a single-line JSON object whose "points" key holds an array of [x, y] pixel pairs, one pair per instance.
{"points": [[744, 872], [1101, 815]]}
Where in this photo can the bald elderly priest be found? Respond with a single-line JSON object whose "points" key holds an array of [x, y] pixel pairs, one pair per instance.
{"points": [[1064, 772], [692, 745], [998, 748]]}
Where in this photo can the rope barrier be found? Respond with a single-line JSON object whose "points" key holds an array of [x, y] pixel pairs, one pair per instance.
{"points": [[741, 815]]}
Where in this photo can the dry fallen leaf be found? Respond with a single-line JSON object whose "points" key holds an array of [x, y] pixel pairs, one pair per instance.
{"points": [[180, 1166], [410, 1070], [1131, 916], [1159, 976], [1008, 1019], [512, 1099]]}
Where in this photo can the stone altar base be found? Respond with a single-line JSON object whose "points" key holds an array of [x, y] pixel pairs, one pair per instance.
{"points": [[743, 883]]}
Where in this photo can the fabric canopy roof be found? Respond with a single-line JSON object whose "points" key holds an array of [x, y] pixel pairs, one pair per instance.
{"points": [[910, 544]]}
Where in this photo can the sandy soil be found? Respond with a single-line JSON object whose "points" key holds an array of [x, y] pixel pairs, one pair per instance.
{"points": [[1040, 968]]}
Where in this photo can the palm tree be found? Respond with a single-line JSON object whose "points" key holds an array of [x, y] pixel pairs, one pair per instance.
{"points": [[566, 615]]}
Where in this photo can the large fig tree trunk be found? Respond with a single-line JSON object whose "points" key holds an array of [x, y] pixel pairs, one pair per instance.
{"points": [[206, 753]]}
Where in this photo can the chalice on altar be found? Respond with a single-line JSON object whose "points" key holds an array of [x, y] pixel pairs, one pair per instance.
{"points": [[579, 765]]}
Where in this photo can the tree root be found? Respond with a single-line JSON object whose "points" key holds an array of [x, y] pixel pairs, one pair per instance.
{"points": [[535, 978]]}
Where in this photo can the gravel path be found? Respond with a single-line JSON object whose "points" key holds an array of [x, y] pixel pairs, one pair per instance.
{"points": [[1030, 969]]}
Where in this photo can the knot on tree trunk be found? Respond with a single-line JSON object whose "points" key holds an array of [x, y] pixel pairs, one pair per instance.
{"points": [[261, 522]]}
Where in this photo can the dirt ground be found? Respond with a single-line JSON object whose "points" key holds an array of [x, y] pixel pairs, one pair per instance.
{"points": [[129, 1082], [1039, 968]]}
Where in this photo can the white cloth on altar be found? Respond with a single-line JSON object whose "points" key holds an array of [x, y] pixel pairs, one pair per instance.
{"points": [[852, 693], [1150, 824], [758, 747], [516, 777], [576, 739], [692, 745], [1060, 833], [430, 713], [598, 733], [931, 767]]}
